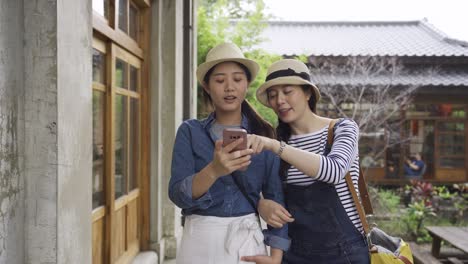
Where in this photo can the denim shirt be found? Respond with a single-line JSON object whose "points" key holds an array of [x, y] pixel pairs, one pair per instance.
{"points": [[193, 150]]}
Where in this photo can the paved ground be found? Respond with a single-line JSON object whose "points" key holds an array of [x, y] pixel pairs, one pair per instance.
{"points": [[169, 261]]}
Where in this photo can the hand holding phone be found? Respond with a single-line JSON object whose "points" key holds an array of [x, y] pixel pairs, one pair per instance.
{"points": [[232, 134]]}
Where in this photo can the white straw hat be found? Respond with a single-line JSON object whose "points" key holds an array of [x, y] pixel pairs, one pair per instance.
{"points": [[286, 71], [225, 52]]}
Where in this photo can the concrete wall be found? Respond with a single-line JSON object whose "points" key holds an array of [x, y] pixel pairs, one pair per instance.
{"points": [[166, 113], [45, 122], [40, 172], [74, 131], [11, 133]]}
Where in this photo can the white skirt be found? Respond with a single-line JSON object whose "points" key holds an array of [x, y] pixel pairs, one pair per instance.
{"points": [[215, 240]]}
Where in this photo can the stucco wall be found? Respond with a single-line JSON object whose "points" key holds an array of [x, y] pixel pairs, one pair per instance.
{"points": [[45, 128], [74, 131], [166, 113], [40, 105], [11, 133]]}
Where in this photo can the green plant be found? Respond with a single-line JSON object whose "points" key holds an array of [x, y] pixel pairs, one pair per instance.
{"points": [[388, 200], [414, 218], [443, 192]]}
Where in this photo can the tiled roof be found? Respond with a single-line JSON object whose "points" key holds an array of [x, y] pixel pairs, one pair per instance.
{"points": [[437, 79], [407, 38]]}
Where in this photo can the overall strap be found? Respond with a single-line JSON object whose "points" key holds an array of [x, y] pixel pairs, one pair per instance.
{"points": [[365, 198]]}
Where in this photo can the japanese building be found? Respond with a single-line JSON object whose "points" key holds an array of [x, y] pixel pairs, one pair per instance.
{"points": [[433, 124]]}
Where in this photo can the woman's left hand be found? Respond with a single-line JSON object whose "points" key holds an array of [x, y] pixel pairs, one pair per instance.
{"points": [[261, 259]]}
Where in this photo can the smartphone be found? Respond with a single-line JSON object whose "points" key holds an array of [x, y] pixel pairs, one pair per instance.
{"points": [[232, 134]]}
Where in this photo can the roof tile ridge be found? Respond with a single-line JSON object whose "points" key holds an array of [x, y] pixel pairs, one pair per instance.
{"points": [[342, 22], [429, 28], [440, 34]]}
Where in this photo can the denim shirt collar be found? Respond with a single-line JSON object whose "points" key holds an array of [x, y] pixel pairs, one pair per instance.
{"points": [[208, 122]]}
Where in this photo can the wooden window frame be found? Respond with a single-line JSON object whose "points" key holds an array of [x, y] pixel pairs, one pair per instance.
{"points": [[109, 38]]}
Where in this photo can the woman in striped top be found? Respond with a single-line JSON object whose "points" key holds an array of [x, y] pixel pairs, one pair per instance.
{"points": [[324, 224]]}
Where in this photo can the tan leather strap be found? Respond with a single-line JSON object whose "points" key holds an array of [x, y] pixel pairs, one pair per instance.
{"points": [[365, 199], [357, 203], [405, 260], [330, 132]]}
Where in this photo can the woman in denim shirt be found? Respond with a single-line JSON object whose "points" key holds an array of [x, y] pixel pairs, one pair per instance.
{"points": [[220, 223]]}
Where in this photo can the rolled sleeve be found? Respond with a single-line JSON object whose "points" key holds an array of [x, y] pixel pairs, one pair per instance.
{"points": [[183, 197], [275, 241]]}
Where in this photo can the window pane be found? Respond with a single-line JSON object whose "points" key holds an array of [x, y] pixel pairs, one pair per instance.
{"points": [[121, 74], [99, 66], [133, 78], [420, 139], [452, 150], [134, 22], [451, 141], [98, 149], [439, 110], [371, 146], [123, 15], [452, 162], [134, 143], [101, 7], [120, 144], [452, 126]]}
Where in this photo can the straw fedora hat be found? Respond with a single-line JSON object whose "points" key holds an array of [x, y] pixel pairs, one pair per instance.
{"points": [[225, 52], [286, 71]]}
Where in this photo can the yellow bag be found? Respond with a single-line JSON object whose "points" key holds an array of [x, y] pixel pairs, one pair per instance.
{"points": [[386, 249]]}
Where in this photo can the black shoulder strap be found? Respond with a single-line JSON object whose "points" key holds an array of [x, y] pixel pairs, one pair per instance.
{"points": [[243, 191]]}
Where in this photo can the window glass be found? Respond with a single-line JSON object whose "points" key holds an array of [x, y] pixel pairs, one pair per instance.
{"points": [[134, 143], [436, 110], [101, 7], [133, 78], [120, 145], [452, 162], [451, 144], [133, 22], [371, 149], [123, 15], [121, 74], [420, 139], [98, 149], [99, 71]]}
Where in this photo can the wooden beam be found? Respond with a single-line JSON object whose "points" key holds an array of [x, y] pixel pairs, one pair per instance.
{"points": [[142, 3], [145, 132], [116, 35]]}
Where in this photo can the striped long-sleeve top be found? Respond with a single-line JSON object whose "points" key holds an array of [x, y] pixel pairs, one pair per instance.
{"points": [[342, 158]]}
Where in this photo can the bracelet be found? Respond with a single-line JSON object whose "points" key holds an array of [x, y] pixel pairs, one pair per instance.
{"points": [[281, 148]]}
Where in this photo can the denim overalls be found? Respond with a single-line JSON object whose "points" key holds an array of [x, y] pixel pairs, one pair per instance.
{"points": [[322, 231]]}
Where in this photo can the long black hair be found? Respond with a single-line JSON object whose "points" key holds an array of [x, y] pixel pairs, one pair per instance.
{"points": [[257, 124], [283, 130]]}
